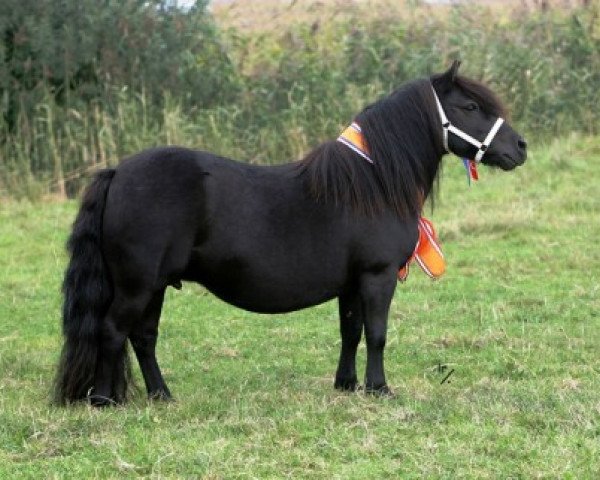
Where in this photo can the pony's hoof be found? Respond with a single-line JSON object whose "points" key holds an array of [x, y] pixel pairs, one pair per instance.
{"points": [[160, 396], [100, 401], [346, 384], [382, 391]]}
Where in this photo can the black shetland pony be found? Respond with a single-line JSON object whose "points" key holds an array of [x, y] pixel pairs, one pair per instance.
{"points": [[266, 239]]}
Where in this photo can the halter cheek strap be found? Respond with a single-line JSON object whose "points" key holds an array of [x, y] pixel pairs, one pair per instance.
{"points": [[448, 127]]}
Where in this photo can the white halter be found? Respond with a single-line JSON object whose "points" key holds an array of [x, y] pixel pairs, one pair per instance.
{"points": [[448, 127]]}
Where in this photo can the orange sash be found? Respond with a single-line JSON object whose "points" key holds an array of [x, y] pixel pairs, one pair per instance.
{"points": [[427, 254]]}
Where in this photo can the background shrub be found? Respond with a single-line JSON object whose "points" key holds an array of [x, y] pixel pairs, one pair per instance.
{"points": [[84, 83]]}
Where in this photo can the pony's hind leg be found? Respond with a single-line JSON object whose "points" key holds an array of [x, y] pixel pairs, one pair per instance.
{"points": [[110, 383], [351, 326], [143, 338]]}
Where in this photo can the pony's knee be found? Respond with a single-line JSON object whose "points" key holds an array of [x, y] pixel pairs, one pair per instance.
{"points": [[376, 339]]}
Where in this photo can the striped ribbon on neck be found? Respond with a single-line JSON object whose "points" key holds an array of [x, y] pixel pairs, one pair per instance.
{"points": [[428, 253], [353, 138]]}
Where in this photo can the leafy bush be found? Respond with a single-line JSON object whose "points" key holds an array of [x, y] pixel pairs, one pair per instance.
{"points": [[84, 83]]}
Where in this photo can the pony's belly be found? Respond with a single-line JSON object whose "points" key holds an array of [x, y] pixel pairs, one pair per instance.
{"points": [[265, 300], [275, 288]]}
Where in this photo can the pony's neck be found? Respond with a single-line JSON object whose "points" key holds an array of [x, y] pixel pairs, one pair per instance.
{"points": [[402, 134], [404, 137]]}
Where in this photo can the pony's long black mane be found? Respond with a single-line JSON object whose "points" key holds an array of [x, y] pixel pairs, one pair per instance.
{"points": [[404, 137]]}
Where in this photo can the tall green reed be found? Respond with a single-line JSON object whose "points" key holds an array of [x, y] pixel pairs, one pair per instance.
{"points": [[299, 87]]}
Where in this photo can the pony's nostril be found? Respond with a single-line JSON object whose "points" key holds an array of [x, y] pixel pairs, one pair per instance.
{"points": [[522, 143]]}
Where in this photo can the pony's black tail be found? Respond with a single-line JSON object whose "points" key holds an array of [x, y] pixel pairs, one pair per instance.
{"points": [[87, 293]]}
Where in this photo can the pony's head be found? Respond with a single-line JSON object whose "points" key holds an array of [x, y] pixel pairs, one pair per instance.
{"points": [[473, 122]]}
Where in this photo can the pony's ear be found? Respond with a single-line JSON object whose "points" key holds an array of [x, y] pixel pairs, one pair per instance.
{"points": [[451, 73]]}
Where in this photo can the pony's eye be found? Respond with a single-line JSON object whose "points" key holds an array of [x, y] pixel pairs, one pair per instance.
{"points": [[471, 107]]}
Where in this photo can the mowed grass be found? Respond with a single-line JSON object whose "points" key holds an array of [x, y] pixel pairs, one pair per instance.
{"points": [[516, 319]]}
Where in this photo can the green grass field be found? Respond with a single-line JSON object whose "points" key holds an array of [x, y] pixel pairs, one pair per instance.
{"points": [[516, 317]]}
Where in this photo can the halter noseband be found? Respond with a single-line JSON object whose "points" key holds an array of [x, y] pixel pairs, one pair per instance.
{"points": [[448, 127]]}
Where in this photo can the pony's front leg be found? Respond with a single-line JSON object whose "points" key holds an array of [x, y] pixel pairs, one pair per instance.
{"points": [[376, 292], [351, 326]]}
